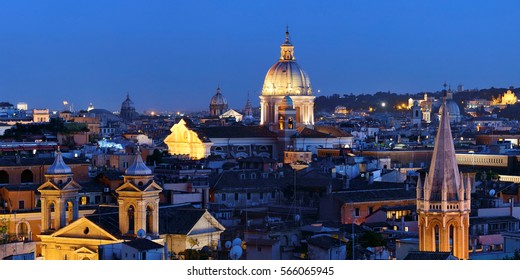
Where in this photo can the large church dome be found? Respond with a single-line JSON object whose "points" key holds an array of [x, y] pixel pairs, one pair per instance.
{"points": [[218, 104], [128, 109], [286, 77], [218, 98]]}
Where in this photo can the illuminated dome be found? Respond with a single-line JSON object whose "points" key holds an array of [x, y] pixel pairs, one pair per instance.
{"points": [[286, 77]]}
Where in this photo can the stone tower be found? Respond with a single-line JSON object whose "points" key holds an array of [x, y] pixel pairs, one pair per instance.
{"points": [[59, 196], [444, 199], [138, 199]]}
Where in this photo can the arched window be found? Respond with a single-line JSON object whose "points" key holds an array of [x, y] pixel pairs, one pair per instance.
{"points": [[4, 177], [149, 219], [23, 231], [27, 176], [452, 237], [70, 209], [290, 124], [50, 211], [131, 217], [436, 238]]}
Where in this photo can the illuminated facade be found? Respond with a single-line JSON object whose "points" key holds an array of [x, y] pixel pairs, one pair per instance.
{"points": [[286, 78], [444, 199], [185, 141], [507, 98], [64, 236]]}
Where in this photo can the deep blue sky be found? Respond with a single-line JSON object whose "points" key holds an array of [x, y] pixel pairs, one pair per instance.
{"points": [[171, 55]]}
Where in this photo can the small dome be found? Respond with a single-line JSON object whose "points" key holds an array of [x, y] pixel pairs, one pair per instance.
{"points": [[58, 166], [218, 98], [138, 168], [453, 107]]}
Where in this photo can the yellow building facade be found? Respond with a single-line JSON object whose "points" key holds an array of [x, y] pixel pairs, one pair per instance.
{"points": [[184, 141]]}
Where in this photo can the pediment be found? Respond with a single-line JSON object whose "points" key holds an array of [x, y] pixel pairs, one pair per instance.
{"points": [[84, 250], [128, 187], [85, 229], [48, 186], [72, 185], [153, 187]]}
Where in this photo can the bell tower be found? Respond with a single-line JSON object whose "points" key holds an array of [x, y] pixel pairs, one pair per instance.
{"points": [[138, 199], [444, 199], [59, 196]]}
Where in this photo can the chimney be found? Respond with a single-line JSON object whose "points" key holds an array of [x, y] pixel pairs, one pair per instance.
{"points": [[370, 177]]}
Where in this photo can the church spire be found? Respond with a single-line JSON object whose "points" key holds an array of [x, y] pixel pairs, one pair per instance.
{"points": [[444, 171]]}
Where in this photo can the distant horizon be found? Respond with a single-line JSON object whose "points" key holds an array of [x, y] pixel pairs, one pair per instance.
{"points": [[172, 56], [255, 106]]}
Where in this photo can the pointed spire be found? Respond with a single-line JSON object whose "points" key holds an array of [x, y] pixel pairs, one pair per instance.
{"points": [[444, 171], [138, 168], [58, 166]]}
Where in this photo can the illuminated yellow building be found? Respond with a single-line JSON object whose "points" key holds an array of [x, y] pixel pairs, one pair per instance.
{"points": [[286, 78], [185, 141], [444, 199], [64, 236], [507, 98]]}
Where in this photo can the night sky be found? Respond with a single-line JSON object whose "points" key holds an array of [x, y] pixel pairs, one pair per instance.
{"points": [[171, 55]]}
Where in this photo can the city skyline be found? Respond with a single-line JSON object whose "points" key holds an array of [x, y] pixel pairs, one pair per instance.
{"points": [[168, 54]]}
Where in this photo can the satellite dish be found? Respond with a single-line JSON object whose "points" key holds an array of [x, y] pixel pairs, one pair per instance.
{"points": [[492, 192], [235, 253], [228, 244], [141, 233], [237, 242]]}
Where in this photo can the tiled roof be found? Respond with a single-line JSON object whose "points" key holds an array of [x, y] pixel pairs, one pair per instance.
{"points": [[21, 187], [311, 133], [236, 132], [375, 194], [334, 131], [176, 220], [5, 161]]}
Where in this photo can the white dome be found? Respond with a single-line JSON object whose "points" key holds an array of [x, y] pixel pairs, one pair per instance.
{"points": [[286, 77]]}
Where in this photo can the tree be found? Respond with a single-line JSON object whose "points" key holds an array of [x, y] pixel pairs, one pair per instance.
{"points": [[4, 228]]}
